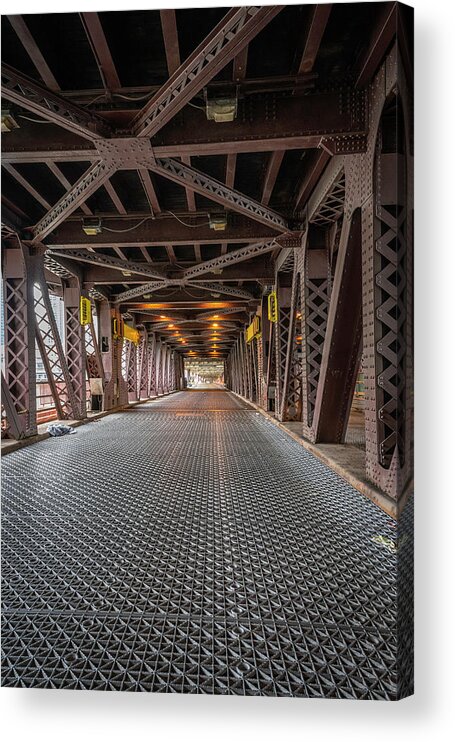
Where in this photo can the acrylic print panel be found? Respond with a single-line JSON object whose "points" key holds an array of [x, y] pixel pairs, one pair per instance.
{"points": [[229, 192]]}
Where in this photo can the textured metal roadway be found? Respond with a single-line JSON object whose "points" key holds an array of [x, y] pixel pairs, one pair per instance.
{"points": [[189, 545]]}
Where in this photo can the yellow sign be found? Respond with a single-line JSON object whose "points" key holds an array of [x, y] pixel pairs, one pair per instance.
{"points": [[130, 333], [272, 307], [253, 331], [85, 311]]}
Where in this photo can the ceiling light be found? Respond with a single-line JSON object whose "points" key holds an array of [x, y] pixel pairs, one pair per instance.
{"points": [[218, 222], [8, 121], [215, 296], [221, 110], [126, 273], [91, 226]]}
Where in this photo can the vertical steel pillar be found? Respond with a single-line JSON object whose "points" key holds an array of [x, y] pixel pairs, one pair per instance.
{"points": [[19, 324], [75, 344], [115, 390], [291, 395], [342, 345], [159, 367], [387, 277], [51, 347], [143, 366], [151, 387], [315, 291], [281, 338]]}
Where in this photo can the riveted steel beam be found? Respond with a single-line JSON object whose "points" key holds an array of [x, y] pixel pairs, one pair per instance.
{"points": [[158, 232], [92, 179], [146, 288], [28, 94], [223, 289], [226, 40], [108, 261], [237, 256], [217, 191], [298, 123]]}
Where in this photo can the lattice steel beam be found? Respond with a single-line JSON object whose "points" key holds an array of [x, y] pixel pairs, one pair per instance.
{"points": [[217, 191], [92, 179], [19, 337], [237, 256], [108, 261], [28, 94], [223, 289], [231, 35], [220, 312], [55, 170], [146, 288]]}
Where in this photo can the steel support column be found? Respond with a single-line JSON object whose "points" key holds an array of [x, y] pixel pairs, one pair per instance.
{"points": [[19, 331], [51, 348], [75, 350], [115, 390]]}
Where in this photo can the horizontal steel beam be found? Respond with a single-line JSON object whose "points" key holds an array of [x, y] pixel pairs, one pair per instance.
{"points": [[297, 123], [255, 269], [156, 286], [158, 232]]}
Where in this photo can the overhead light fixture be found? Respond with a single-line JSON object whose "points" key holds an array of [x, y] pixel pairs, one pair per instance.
{"points": [[91, 226], [223, 108], [215, 296], [126, 273], [218, 222], [9, 123]]}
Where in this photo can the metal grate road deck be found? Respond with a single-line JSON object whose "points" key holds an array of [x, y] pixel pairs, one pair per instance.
{"points": [[189, 545]]}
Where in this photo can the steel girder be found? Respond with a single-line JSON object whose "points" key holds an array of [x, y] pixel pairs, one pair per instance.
{"points": [[52, 351], [108, 261], [93, 178], [229, 37], [244, 253], [115, 389], [153, 286], [369, 260], [13, 424], [297, 123], [217, 191], [342, 343], [19, 338], [291, 396], [93, 357], [160, 231], [28, 94], [75, 345]]}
